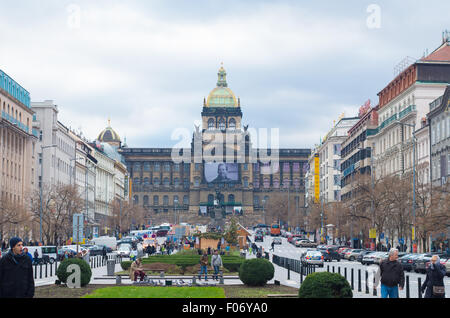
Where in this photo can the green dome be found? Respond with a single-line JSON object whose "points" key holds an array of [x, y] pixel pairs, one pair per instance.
{"points": [[222, 96]]}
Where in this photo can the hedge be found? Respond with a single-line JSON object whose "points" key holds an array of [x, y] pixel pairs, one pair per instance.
{"points": [[325, 285], [256, 272], [85, 269]]}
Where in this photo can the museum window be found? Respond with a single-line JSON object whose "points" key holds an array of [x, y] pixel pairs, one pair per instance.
{"points": [[266, 183], [156, 167], [186, 183], [211, 124], [136, 199], [210, 198], [186, 200], [256, 200], [166, 182], [156, 181], [166, 200], [155, 200], [246, 182], [232, 123], [231, 198], [222, 125], [196, 182], [177, 182], [176, 201], [146, 181], [147, 166], [167, 167], [176, 167], [145, 200]]}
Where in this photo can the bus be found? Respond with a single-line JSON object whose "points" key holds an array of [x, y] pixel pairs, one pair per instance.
{"points": [[275, 230]]}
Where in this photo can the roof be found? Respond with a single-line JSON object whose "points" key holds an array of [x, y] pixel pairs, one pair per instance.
{"points": [[108, 135], [222, 96], [441, 54]]}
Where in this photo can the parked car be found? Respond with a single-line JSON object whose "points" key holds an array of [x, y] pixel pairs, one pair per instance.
{"points": [[407, 261], [369, 259], [277, 240], [420, 263], [351, 255], [124, 250], [259, 238], [344, 250], [96, 250], [330, 254], [361, 255], [312, 258], [443, 261], [291, 238], [305, 243]]}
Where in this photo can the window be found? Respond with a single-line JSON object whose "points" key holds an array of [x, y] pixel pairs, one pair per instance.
{"points": [[156, 181], [176, 201], [196, 182], [266, 183], [256, 200], [166, 182], [246, 182], [166, 200], [337, 180], [231, 198], [232, 123], [197, 167], [155, 200], [210, 198], [186, 200], [147, 166], [222, 124], [186, 183], [245, 166], [146, 181], [167, 167], [156, 167], [211, 124], [145, 200], [176, 167], [177, 182], [136, 199]]}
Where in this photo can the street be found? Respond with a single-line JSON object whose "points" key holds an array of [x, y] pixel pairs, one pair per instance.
{"points": [[290, 251]]}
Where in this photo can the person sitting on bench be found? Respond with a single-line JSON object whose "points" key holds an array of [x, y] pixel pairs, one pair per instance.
{"points": [[137, 270]]}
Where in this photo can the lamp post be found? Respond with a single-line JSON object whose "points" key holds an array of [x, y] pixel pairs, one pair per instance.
{"points": [[175, 203], [264, 213], [321, 201], [40, 190], [414, 178]]}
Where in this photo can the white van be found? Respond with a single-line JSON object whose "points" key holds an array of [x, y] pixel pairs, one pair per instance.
{"points": [[108, 241], [50, 251]]}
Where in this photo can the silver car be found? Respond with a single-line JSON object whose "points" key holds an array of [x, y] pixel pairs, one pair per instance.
{"points": [[312, 258]]}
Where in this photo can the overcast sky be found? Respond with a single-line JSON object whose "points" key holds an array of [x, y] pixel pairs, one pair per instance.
{"points": [[147, 65]]}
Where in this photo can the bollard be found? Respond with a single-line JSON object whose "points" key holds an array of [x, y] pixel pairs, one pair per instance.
{"points": [[345, 273], [221, 278], [301, 274], [352, 281], [374, 286], [289, 271], [35, 271], [193, 280], [359, 280], [328, 268], [51, 270], [333, 269], [367, 282], [40, 269], [407, 287], [419, 285], [118, 280], [339, 270], [46, 272]]}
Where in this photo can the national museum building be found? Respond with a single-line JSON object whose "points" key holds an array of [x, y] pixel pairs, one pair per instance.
{"points": [[221, 168]]}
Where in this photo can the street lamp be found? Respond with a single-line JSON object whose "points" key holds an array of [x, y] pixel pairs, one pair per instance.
{"points": [[175, 202], [40, 191], [264, 213], [414, 176]]}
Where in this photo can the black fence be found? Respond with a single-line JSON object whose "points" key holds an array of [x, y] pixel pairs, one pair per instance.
{"points": [[356, 281], [48, 270], [294, 265]]}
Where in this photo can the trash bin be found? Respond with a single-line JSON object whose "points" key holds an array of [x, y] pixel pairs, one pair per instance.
{"points": [[110, 267]]}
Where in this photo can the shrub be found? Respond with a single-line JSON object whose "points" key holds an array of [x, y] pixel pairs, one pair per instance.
{"points": [[256, 272], [126, 265], [85, 269], [325, 285]]}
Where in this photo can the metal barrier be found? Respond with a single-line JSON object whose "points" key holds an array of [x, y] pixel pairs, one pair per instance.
{"points": [[294, 265]]}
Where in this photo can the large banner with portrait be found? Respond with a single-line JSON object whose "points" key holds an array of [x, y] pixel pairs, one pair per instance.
{"points": [[221, 172]]}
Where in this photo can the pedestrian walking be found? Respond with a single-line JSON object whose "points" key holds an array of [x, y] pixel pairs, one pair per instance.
{"points": [[434, 281], [36, 254], [104, 253], [392, 276], [272, 246], [16, 272], [216, 262], [204, 266]]}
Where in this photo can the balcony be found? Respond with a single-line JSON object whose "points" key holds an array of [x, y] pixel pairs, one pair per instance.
{"points": [[409, 109], [14, 121], [387, 122]]}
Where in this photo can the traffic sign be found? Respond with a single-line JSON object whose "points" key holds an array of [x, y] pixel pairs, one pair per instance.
{"points": [[78, 227], [413, 237], [373, 233]]}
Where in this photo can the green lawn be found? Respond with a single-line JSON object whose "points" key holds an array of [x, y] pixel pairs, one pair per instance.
{"points": [[157, 292]]}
